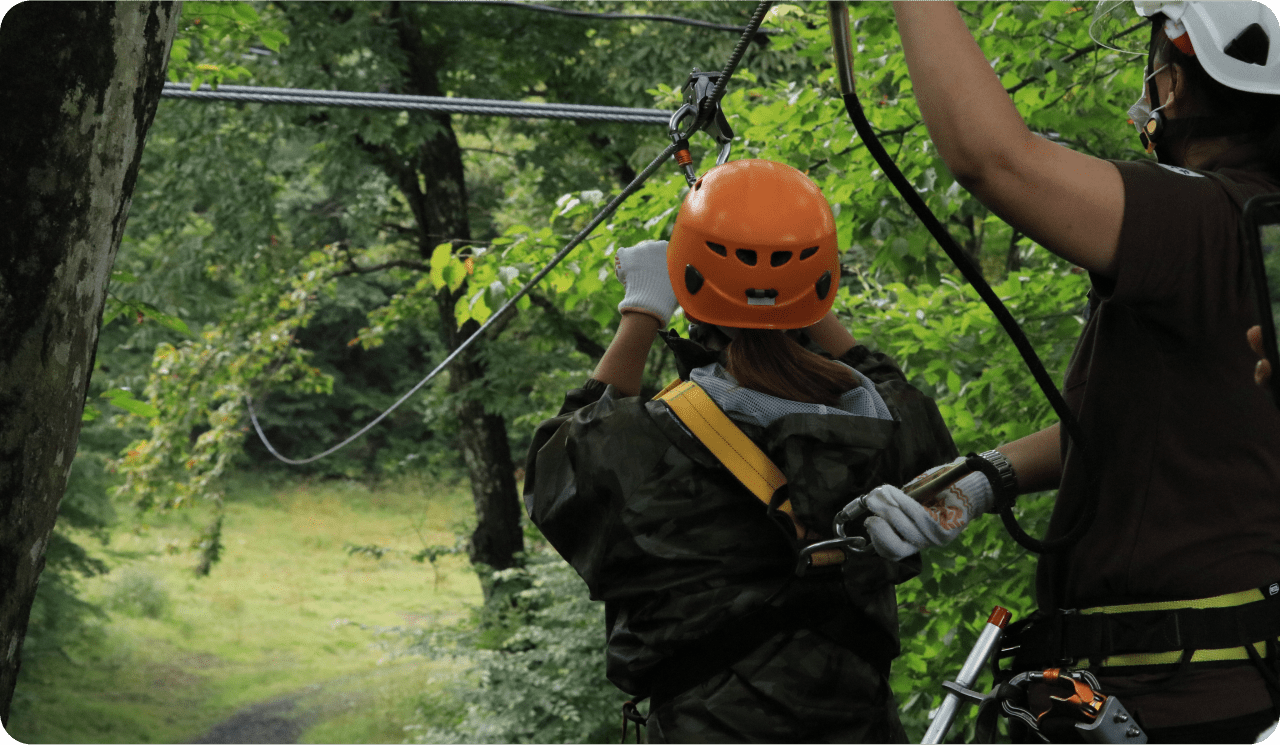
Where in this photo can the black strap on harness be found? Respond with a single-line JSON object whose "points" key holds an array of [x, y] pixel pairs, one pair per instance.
{"points": [[1133, 638]]}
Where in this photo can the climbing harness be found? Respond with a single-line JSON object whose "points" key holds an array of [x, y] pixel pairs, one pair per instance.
{"points": [[748, 463], [707, 106], [1041, 700], [838, 16]]}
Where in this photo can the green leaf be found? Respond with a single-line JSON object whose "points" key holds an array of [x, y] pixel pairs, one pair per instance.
{"points": [[273, 39], [123, 399], [243, 13], [173, 323]]}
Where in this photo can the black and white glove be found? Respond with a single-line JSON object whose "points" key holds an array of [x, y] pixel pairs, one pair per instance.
{"points": [[901, 526], [642, 269]]}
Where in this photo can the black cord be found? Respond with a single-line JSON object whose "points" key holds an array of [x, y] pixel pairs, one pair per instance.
{"points": [[973, 274]]}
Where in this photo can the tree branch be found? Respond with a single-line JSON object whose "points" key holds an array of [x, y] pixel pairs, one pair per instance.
{"points": [[583, 343], [355, 268]]}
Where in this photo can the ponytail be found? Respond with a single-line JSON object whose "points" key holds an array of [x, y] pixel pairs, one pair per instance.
{"points": [[769, 361]]}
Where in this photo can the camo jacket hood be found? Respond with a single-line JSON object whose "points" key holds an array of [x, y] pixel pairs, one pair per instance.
{"points": [[678, 548]]}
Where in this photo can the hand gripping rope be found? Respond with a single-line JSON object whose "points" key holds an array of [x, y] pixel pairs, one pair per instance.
{"points": [[838, 15], [704, 107]]}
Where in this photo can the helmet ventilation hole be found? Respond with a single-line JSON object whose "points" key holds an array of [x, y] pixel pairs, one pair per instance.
{"points": [[1251, 46], [810, 251], [778, 258], [746, 256], [823, 285], [692, 279], [717, 248]]}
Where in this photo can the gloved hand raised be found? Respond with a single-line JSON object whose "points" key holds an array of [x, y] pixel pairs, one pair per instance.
{"points": [[901, 526], [642, 269]]}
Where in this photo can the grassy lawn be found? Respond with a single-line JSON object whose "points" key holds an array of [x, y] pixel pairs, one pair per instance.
{"points": [[288, 611]]}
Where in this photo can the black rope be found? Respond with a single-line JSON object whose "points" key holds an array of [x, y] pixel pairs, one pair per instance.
{"points": [[971, 272]]}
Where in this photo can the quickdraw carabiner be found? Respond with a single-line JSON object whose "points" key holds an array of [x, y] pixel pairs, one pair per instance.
{"points": [[703, 114]]}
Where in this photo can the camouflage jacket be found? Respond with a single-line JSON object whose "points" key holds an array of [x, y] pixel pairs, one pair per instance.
{"points": [[680, 551]]}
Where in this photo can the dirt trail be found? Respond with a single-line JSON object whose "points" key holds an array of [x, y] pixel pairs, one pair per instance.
{"points": [[286, 718], [278, 721]]}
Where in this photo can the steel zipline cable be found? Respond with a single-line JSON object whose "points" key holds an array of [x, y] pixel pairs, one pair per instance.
{"points": [[748, 33], [400, 102], [625, 16]]}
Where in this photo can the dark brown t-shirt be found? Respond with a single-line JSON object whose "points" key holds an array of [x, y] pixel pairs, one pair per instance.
{"points": [[1188, 447]]}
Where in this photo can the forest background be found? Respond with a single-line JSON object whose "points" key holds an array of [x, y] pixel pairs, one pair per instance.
{"points": [[321, 260]]}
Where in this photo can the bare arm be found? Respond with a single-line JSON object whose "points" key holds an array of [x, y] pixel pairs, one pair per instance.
{"points": [[831, 335], [1036, 459], [1068, 202], [622, 365]]}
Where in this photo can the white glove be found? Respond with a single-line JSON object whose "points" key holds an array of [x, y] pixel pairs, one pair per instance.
{"points": [[901, 526], [642, 269]]}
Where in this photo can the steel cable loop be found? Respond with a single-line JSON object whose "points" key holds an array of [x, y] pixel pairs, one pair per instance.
{"points": [[556, 259], [493, 108]]}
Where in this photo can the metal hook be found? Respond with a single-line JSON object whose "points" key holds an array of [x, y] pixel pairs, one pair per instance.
{"points": [[706, 116]]}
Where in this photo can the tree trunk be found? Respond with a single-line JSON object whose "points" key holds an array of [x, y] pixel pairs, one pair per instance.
{"points": [[433, 182], [79, 83]]}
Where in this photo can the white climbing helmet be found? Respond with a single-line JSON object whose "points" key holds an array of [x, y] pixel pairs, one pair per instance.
{"points": [[1236, 41]]}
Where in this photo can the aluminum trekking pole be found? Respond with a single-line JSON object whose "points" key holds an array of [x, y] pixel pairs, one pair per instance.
{"points": [[959, 689]]}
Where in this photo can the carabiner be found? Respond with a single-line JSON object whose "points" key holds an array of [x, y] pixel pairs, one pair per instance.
{"points": [[707, 117]]}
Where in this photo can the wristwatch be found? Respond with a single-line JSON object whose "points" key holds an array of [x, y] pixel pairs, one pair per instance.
{"points": [[999, 471]]}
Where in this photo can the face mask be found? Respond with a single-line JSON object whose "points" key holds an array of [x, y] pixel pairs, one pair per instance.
{"points": [[1141, 111], [1145, 118]]}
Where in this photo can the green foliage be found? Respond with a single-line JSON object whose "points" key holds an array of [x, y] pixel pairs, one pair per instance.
{"points": [[950, 345], [213, 39], [249, 266], [538, 663]]}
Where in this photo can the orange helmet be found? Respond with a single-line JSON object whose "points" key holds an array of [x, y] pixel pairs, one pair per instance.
{"points": [[754, 246]]}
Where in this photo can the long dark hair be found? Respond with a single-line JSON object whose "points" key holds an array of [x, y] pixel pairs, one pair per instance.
{"points": [[1258, 113], [770, 361]]}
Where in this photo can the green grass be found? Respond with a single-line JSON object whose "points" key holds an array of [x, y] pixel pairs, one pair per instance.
{"points": [[286, 612]]}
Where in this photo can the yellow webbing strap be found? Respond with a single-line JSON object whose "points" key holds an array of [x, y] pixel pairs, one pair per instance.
{"points": [[726, 442], [1175, 657], [737, 452], [1230, 600]]}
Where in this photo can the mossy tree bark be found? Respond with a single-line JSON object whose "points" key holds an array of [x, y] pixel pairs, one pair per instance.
{"points": [[79, 84]]}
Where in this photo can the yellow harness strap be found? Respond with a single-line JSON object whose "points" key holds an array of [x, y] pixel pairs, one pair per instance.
{"points": [[726, 442], [744, 459], [1230, 600]]}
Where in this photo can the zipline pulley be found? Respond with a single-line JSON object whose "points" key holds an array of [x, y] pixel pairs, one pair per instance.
{"points": [[702, 110]]}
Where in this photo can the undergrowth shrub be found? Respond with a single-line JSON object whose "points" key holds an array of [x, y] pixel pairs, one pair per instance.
{"points": [[137, 592], [538, 672]]}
